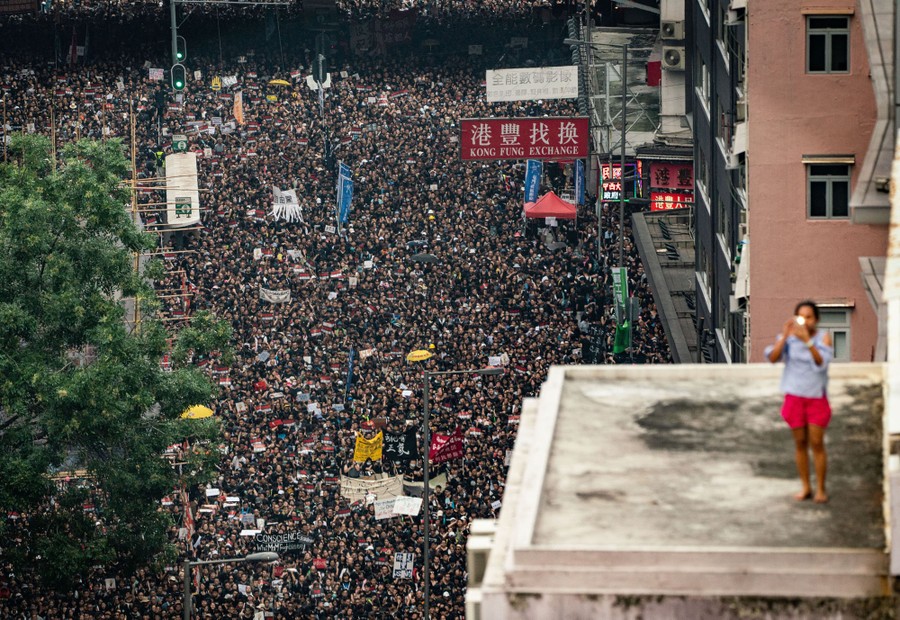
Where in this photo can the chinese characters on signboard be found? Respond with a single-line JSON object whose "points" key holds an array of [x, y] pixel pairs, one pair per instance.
{"points": [[663, 201], [532, 84], [611, 181], [553, 138], [676, 180]]}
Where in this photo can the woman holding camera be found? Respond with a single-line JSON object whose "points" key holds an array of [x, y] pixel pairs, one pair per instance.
{"points": [[806, 352]]}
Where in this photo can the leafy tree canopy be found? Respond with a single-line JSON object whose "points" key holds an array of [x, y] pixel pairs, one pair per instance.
{"points": [[79, 389]]}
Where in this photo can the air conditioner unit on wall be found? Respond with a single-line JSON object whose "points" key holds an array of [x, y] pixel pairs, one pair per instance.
{"points": [[673, 58], [732, 161], [671, 29]]}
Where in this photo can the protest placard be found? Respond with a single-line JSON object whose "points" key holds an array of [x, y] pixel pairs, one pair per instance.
{"points": [[404, 505], [282, 543], [384, 509], [403, 565]]}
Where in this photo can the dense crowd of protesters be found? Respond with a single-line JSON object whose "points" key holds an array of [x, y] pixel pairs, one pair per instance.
{"points": [[495, 288]]}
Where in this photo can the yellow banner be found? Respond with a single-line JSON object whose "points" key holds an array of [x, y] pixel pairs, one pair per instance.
{"points": [[368, 448]]}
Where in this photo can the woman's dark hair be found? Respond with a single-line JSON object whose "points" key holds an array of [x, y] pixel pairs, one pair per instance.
{"points": [[811, 304]]}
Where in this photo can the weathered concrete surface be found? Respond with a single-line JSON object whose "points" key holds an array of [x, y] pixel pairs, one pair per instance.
{"points": [[706, 462]]}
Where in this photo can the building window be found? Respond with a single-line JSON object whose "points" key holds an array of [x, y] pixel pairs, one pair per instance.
{"points": [[828, 191], [837, 322], [702, 88], [827, 44]]}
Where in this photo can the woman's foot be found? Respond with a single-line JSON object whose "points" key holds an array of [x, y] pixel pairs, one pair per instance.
{"points": [[821, 497], [803, 495]]}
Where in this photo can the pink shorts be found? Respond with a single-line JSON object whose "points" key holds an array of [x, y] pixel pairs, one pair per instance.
{"points": [[798, 411]]}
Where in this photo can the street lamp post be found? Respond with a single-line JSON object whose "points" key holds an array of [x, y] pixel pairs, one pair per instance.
{"points": [[426, 573], [265, 556]]}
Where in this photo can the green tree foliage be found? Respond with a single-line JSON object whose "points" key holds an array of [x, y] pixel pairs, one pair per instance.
{"points": [[79, 390]]}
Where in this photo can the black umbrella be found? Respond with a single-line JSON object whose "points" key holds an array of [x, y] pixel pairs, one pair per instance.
{"points": [[425, 258]]}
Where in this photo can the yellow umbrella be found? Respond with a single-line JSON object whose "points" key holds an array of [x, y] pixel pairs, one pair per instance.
{"points": [[419, 355], [196, 412], [280, 82]]}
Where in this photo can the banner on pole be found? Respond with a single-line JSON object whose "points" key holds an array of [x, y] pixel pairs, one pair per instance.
{"points": [[579, 182], [533, 171], [620, 292], [346, 196]]}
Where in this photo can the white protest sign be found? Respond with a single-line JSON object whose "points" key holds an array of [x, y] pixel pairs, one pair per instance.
{"points": [[404, 505], [384, 509], [403, 565]]}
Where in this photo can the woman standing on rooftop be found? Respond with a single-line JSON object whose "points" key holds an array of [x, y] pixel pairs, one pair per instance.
{"points": [[806, 352]]}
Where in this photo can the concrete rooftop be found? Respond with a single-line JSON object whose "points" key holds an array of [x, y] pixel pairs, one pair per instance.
{"points": [[678, 481], [645, 461]]}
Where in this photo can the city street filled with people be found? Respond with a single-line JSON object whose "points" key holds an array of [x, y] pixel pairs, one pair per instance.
{"points": [[435, 256]]}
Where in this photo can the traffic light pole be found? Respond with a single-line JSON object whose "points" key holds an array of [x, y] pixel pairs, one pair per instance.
{"points": [[174, 24]]}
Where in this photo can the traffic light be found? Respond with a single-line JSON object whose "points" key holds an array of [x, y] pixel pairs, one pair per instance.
{"points": [[179, 77], [180, 49]]}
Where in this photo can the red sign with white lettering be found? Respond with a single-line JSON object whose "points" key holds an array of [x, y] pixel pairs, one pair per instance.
{"points": [[663, 201], [553, 138], [672, 175]]}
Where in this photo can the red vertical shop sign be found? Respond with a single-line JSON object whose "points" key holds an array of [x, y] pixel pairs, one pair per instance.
{"points": [[553, 138]]}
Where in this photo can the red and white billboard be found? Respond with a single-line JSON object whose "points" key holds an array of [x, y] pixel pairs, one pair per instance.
{"points": [[663, 201], [553, 138]]}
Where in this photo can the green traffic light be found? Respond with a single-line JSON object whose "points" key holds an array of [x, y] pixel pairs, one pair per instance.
{"points": [[179, 84], [180, 55]]}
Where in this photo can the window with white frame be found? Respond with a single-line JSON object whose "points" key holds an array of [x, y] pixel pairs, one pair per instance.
{"points": [[836, 321], [827, 44], [828, 191]]}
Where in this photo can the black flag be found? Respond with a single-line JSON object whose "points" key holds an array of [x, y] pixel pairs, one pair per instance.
{"points": [[400, 448]]}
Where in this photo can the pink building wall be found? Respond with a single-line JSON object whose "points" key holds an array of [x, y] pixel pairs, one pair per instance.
{"points": [[792, 114]]}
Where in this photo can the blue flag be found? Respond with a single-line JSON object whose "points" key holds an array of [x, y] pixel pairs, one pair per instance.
{"points": [[343, 171], [579, 182], [346, 196], [533, 171]]}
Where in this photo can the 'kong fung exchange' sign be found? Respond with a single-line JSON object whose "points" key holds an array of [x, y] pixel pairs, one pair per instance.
{"points": [[553, 138]]}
